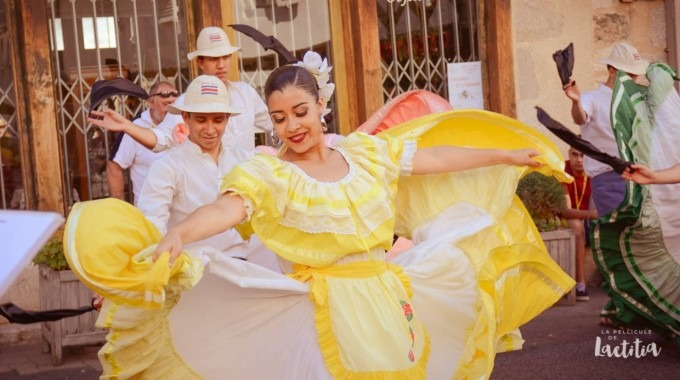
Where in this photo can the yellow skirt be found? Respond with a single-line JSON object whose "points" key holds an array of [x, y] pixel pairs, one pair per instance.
{"points": [[477, 272]]}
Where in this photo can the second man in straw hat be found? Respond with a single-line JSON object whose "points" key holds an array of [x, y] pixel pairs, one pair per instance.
{"points": [[189, 175], [213, 55]]}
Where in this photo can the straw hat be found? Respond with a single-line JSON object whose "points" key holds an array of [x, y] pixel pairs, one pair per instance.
{"points": [[626, 58], [212, 42], [205, 94]]}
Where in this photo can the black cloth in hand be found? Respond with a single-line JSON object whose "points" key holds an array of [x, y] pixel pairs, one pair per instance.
{"points": [[565, 63]]}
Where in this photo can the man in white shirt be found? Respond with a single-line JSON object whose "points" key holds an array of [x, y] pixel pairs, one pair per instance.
{"points": [[133, 155], [213, 56], [591, 110], [189, 175]]}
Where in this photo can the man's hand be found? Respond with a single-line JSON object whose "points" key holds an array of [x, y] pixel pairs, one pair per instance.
{"points": [[109, 120], [572, 91], [578, 114], [97, 302]]}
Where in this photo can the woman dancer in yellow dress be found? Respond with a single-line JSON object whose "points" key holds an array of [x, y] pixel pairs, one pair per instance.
{"points": [[440, 311]]}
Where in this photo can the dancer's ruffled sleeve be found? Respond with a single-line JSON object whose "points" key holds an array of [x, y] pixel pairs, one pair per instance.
{"points": [[244, 180], [311, 222]]}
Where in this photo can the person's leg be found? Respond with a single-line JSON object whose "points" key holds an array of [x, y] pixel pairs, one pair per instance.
{"points": [[576, 226], [608, 192]]}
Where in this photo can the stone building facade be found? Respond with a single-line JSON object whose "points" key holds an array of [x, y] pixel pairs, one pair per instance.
{"points": [[541, 28]]}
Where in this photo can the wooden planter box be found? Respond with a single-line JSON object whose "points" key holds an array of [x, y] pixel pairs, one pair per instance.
{"points": [[63, 290], [562, 248]]}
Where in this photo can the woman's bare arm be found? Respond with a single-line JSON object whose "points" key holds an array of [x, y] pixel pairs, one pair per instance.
{"points": [[644, 175], [227, 211], [443, 159]]}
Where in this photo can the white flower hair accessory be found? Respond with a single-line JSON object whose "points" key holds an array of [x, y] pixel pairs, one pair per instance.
{"points": [[320, 70]]}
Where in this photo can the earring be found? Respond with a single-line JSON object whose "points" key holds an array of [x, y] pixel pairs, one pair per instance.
{"points": [[324, 127], [274, 137]]}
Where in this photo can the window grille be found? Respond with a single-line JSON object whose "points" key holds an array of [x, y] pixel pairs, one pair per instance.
{"points": [[143, 41], [11, 174], [418, 38], [301, 25]]}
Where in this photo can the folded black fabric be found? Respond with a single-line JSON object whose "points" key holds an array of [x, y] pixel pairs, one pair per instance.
{"points": [[104, 89], [565, 62], [15, 314], [578, 143], [267, 42]]}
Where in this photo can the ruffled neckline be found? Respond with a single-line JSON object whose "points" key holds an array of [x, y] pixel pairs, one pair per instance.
{"points": [[351, 172]]}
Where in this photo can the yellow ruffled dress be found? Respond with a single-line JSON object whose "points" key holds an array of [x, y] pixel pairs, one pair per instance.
{"points": [[440, 310]]}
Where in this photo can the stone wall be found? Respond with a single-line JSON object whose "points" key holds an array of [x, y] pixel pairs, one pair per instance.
{"points": [[541, 28]]}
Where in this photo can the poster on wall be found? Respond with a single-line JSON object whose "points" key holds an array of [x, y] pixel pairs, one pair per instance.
{"points": [[465, 85]]}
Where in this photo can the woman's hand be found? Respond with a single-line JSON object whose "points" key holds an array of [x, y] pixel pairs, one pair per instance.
{"points": [[171, 243], [445, 158], [640, 174], [109, 120], [524, 157], [208, 220]]}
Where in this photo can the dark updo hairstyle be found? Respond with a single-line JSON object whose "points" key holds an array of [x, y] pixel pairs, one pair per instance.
{"points": [[290, 75]]}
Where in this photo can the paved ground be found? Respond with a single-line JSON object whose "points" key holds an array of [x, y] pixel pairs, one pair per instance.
{"points": [[28, 362], [560, 344]]}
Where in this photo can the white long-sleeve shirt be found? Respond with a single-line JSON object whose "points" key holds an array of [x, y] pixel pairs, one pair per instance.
{"points": [[598, 128], [184, 180], [136, 156]]}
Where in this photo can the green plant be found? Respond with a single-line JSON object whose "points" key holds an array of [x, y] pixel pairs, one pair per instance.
{"points": [[52, 254], [543, 197]]}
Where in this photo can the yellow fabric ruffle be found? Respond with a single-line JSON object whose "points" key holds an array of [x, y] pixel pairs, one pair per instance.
{"points": [[108, 244], [117, 264], [488, 188], [139, 344], [307, 221], [517, 279]]}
